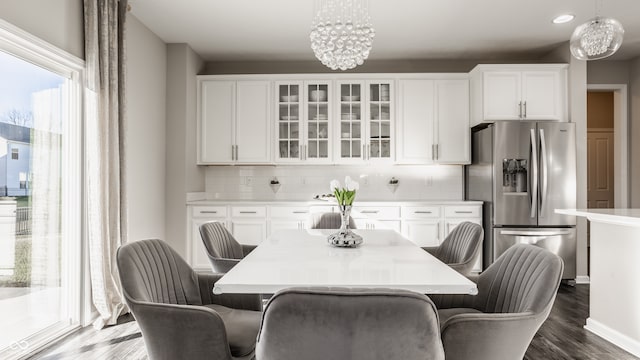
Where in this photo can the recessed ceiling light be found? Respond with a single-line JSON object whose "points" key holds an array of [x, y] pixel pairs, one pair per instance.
{"points": [[564, 18]]}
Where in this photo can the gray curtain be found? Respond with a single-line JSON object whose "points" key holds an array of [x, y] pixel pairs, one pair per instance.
{"points": [[104, 30]]}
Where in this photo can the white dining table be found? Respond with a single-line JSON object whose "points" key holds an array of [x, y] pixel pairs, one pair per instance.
{"points": [[303, 258]]}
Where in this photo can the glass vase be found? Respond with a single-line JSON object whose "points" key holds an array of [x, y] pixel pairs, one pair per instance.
{"points": [[344, 237]]}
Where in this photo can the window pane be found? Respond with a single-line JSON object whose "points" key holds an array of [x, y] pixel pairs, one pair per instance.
{"points": [[33, 287]]}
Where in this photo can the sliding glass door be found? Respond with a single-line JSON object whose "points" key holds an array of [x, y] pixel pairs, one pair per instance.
{"points": [[40, 187]]}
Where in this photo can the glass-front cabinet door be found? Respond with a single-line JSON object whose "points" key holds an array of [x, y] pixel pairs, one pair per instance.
{"points": [[379, 119], [366, 119], [317, 121], [289, 125], [351, 128]]}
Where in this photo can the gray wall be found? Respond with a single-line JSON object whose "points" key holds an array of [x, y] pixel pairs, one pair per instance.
{"points": [[182, 173], [634, 80], [146, 124], [59, 22], [578, 115], [370, 66], [624, 72], [608, 72]]}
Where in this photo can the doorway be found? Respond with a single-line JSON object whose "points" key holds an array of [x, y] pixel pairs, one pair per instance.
{"points": [[607, 149]]}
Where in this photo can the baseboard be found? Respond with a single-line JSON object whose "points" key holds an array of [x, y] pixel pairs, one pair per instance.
{"points": [[583, 279], [91, 318], [613, 336]]}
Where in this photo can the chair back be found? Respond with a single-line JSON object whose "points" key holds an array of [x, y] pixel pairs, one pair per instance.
{"points": [[323, 323], [220, 244], [462, 245], [525, 278], [328, 220], [151, 271]]}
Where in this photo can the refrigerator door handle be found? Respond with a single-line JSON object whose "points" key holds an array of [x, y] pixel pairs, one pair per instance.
{"points": [[544, 166], [534, 233], [534, 176]]}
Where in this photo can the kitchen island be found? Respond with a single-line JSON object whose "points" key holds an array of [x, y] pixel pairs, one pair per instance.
{"points": [[614, 304]]}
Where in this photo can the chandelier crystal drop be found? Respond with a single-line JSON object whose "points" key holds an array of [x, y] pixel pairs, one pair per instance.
{"points": [[596, 39], [341, 34]]}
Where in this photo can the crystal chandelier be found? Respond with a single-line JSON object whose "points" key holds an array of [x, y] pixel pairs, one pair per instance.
{"points": [[341, 35], [597, 38]]}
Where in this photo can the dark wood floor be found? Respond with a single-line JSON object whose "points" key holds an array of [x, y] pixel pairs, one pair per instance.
{"points": [[561, 337]]}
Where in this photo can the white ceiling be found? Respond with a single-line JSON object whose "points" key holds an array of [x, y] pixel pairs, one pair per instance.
{"points": [[241, 30]]}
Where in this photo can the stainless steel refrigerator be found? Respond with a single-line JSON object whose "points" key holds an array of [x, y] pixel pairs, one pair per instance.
{"points": [[522, 171]]}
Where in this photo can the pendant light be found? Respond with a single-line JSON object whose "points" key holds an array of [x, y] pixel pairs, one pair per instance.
{"points": [[597, 38]]}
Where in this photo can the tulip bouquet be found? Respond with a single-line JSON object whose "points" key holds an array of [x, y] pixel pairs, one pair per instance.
{"points": [[344, 237], [345, 195]]}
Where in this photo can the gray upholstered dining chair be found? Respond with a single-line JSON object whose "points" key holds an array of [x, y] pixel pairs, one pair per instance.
{"points": [[515, 295], [461, 248], [323, 323], [178, 314], [223, 250], [327, 220]]}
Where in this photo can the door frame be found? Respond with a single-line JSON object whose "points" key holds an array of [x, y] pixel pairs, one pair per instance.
{"points": [[620, 140]]}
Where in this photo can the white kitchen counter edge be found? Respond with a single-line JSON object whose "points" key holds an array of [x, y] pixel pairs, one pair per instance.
{"points": [[329, 203], [627, 217]]}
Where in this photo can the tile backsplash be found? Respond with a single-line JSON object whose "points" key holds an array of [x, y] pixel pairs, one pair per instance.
{"points": [[416, 182]]}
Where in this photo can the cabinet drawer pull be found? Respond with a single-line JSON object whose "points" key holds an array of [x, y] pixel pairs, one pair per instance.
{"points": [[208, 212], [422, 212], [300, 212], [463, 212], [248, 212], [369, 211]]}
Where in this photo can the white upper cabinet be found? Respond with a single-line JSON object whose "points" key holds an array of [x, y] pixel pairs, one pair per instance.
{"points": [[365, 125], [234, 122], [453, 134], [519, 92], [288, 132], [303, 122], [379, 121], [416, 119], [365, 112], [253, 125], [433, 125], [215, 127], [502, 95]]}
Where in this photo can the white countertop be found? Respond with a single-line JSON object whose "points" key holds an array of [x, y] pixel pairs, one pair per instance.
{"points": [[324, 202], [292, 258], [628, 217]]}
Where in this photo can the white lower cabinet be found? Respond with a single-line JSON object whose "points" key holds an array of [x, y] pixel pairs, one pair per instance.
{"points": [[428, 226], [288, 217], [248, 224], [425, 225], [199, 215], [249, 231], [424, 232], [377, 217]]}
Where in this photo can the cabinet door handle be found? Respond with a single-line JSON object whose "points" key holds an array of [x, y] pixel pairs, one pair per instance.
{"points": [[233, 152], [300, 152], [301, 212], [364, 152], [305, 152], [208, 212], [520, 110], [368, 152], [463, 212], [437, 151], [248, 212], [433, 151], [369, 211], [422, 212], [525, 110]]}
